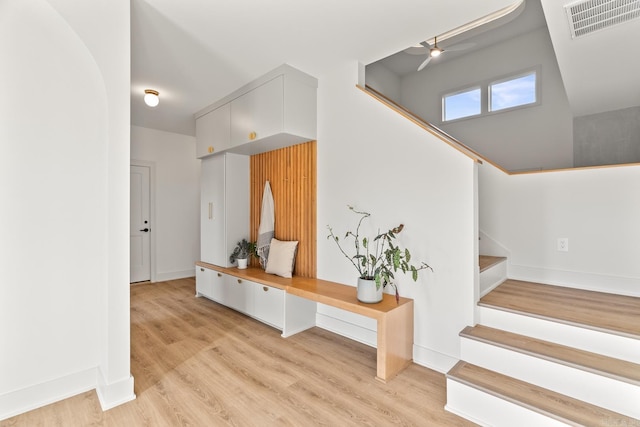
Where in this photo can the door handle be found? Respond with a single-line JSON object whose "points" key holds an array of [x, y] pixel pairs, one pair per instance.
{"points": [[146, 230]]}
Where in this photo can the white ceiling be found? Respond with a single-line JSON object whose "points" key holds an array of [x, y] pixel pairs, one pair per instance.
{"points": [[600, 71], [195, 52]]}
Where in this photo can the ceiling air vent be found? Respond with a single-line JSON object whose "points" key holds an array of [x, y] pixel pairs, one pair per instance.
{"points": [[592, 15]]}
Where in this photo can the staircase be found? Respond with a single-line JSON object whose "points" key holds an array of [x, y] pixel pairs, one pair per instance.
{"points": [[549, 356]]}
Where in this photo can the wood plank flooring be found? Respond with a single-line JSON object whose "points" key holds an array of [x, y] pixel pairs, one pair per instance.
{"points": [[597, 310], [197, 363]]}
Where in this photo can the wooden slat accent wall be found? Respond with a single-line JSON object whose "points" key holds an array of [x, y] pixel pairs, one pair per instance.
{"points": [[291, 172]]}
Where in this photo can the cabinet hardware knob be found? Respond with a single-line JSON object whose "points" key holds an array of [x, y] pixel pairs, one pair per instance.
{"points": [[210, 149], [264, 288], [239, 280], [201, 269], [252, 136], [219, 274]]}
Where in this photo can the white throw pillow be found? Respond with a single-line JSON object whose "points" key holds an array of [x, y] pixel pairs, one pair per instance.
{"points": [[282, 257]]}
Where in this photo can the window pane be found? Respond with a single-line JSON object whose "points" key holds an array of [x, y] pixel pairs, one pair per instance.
{"points": [[463, 104], [512, 93]]}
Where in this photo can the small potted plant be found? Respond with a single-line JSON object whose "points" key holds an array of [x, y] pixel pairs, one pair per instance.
{"points": [[243, 250], [377, 259]]}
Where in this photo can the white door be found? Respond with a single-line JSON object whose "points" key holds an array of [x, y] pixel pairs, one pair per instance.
{"points": [[140, 227]]}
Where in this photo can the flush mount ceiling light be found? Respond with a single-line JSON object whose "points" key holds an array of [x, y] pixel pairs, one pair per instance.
{"points": [[151, 97]]}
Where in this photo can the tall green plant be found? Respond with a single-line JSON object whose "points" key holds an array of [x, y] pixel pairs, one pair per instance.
{"points": [[380, 258]]}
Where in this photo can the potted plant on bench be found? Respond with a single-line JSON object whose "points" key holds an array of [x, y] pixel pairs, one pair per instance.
{"points": [[377, 259], [243, 250]]}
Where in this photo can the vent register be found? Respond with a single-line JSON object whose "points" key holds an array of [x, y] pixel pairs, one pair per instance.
{"points": [[585, 17]]}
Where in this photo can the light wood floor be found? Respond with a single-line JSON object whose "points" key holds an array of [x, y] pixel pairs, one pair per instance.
{"points": [[197, 363]]}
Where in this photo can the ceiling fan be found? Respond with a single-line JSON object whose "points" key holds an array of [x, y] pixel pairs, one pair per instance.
{"points": [[435, 51]]}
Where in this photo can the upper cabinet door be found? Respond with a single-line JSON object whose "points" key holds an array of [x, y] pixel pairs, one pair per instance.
{"points": [[259, 113], [213, 132]]}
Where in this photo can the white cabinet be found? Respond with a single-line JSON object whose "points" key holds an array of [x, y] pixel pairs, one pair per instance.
{"points": [[209, 283], [257, 114], [217, 286], [269, 305], [203, 282], [274, 111], [213, 131], [224, 200], [262, 302], [238, 294], [276, 114]]}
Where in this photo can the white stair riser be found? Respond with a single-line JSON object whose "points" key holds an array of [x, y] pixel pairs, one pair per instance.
{"points": [[609, 393], [492, 277], [617, 346], [488, 410]]}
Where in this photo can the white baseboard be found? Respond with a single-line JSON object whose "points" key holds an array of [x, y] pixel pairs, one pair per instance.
{"points": [[431, 359], [114, 394], [173, 275], [575, 279], [347, 329], [36, 396]]}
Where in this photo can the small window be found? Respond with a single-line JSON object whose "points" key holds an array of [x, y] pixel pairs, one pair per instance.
{"points": [[513, 92], [462, 104]]}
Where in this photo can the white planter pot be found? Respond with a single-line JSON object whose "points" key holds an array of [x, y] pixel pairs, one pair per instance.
{"points": [[367, 291], [242, 263]]}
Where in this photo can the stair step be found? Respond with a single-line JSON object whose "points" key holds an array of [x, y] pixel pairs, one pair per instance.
{"points": [[487, 261], [617, 369], [537, 399], [617, 314]]}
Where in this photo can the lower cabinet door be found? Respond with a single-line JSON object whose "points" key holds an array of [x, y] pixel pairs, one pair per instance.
{"points": [[217, 286], [269, 305], [203, 281], [237, 294]]}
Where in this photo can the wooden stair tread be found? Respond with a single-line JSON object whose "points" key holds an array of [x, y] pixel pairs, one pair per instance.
{"points": [[550, 403], [618, 314], [621, 370], [487, 261]]}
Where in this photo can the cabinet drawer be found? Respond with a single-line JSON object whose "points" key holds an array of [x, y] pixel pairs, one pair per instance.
{"points": [[203, 282], [269, 305], [237, 294]]}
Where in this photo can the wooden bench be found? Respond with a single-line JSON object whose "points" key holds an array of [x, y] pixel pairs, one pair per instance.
{"points": [[394, 319]]}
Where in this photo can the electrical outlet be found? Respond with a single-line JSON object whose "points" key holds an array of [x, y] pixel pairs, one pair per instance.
{"points": [[563, 244]]}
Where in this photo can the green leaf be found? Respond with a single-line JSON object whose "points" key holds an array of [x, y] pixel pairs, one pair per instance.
{"points": [[396, 259]]}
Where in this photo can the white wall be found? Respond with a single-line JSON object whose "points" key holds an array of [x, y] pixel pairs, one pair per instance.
{"points": [[177, 198], [64, 317], [539, 137], [608, 138], [372, 158], [597, 209], [383, 80]]}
